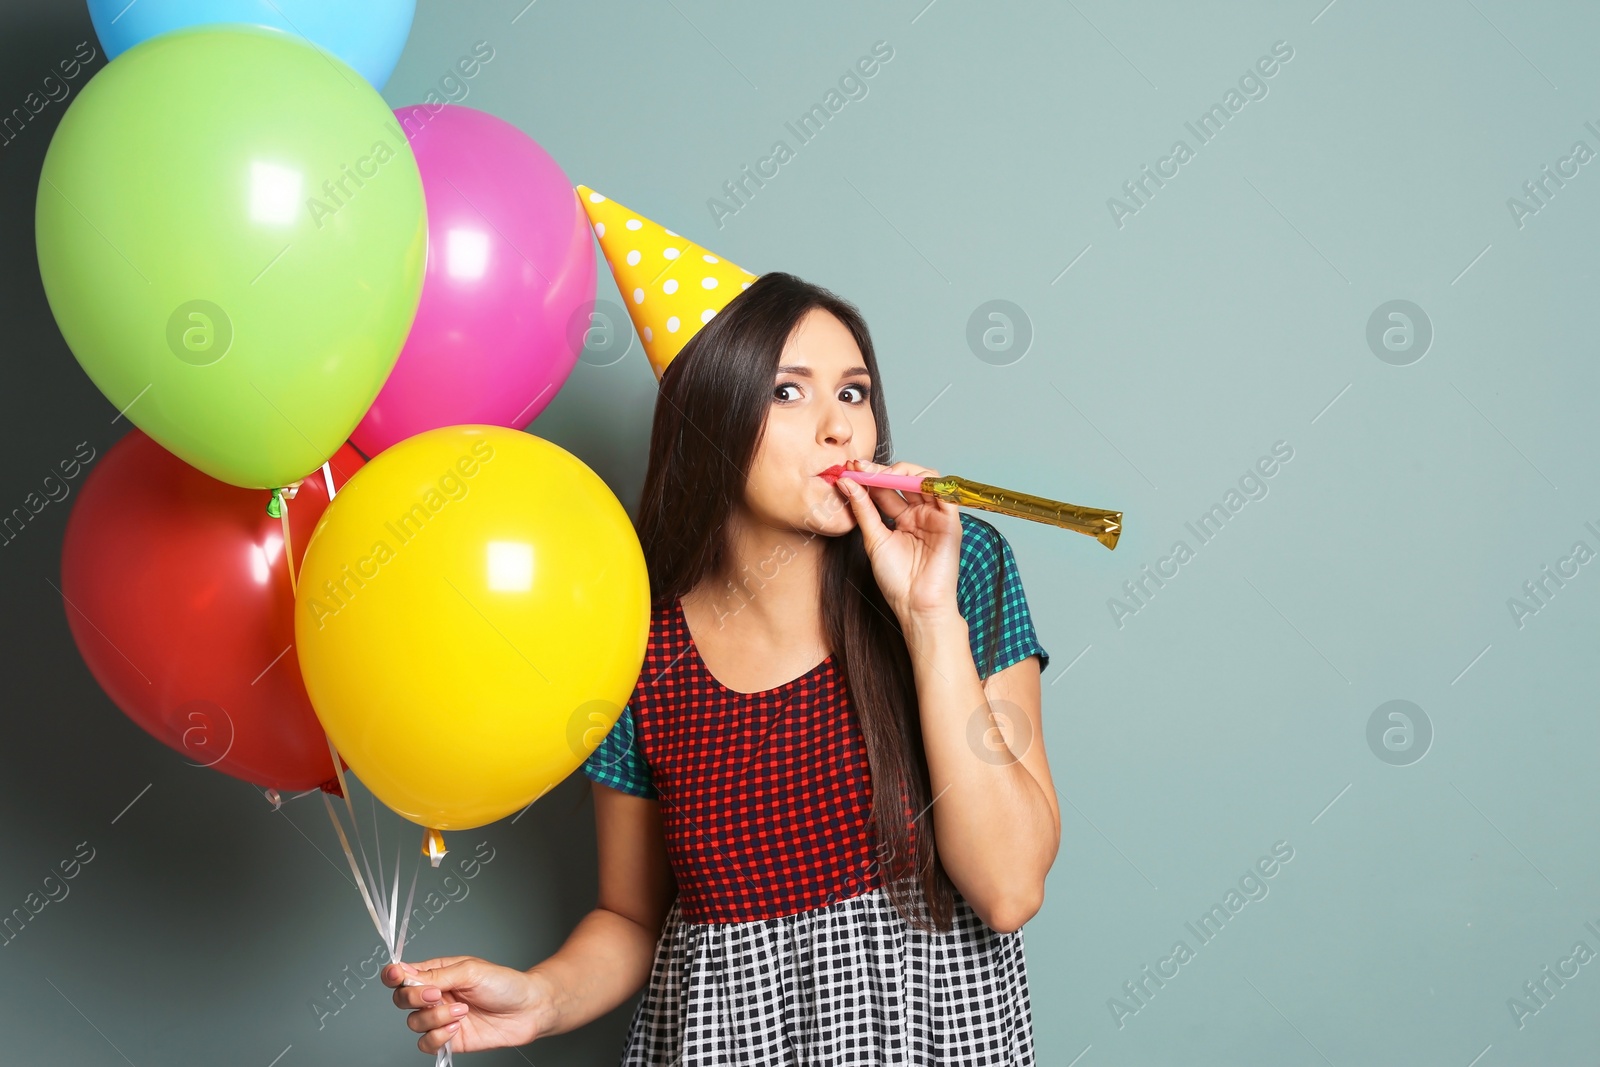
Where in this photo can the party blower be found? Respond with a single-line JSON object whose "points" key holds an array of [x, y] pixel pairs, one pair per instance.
{"points": [[1102, 525]]}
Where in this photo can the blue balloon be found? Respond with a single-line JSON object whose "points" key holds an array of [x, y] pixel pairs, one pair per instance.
{"points": [[367, 34]]}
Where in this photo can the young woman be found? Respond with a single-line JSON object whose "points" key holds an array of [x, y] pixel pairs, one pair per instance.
{"points": [[825, 813]]}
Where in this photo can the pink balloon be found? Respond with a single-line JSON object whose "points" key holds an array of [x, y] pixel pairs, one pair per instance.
{"points": [[509, 283]]}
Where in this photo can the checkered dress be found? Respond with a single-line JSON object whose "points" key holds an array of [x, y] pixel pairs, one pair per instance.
{"points": [[782, 946]]}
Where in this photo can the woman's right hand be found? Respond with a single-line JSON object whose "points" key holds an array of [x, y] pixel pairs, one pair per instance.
{"points": [[469, 1002]]}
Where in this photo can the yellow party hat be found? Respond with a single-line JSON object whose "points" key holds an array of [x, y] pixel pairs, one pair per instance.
{"points": [[671, 285]]}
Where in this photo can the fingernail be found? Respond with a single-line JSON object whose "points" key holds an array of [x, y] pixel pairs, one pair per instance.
{"points": [[453, 1027], [458, 1009], [431, 994]]}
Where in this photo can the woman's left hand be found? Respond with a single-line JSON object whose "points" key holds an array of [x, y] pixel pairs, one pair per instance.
{"points": [[916, 563]]}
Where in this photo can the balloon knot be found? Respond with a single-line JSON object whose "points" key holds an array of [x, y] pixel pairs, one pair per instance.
{"points": [[275, 505], [332, 786]]}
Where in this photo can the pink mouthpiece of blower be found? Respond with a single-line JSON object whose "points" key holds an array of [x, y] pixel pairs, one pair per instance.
{"points": [[905, 483]]}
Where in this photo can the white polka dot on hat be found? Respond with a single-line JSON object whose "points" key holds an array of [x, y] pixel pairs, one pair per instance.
{"points": [[659, 271]]}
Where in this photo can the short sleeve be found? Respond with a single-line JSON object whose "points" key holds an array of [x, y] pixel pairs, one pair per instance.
{"points": [[617, 761], [990, 597]]}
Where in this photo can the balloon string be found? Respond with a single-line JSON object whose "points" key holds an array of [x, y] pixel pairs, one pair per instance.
{"points": [[355, 830], [288, 547], [361, 883], [393, 940]]}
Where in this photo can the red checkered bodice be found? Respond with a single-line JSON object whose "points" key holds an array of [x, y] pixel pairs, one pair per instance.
{"points": [[766, 798]]}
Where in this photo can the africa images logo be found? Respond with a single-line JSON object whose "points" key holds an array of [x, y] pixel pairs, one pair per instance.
{"points": [[366, 168], [452, 485], [1206, 128]]}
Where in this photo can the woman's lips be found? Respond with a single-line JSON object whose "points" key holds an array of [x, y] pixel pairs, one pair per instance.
{"points": [[831, 475]]}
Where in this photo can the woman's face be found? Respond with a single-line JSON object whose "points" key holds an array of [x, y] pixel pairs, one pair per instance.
{"points": [[820, 414]]}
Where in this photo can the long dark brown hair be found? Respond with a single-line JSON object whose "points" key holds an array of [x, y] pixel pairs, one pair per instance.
{"points": [[710, 415]]}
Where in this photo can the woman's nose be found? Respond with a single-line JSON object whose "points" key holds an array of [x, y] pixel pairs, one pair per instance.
{"points": [[834, 427]]}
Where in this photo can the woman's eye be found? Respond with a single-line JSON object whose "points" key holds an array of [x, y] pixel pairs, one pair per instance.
{"points": [[863, 390], [780, 387]]}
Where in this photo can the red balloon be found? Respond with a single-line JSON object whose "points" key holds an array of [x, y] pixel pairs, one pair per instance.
{"points": [[177, 591]]}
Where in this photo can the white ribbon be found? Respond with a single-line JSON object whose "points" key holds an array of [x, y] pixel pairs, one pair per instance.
{"points": [[383, 916]]}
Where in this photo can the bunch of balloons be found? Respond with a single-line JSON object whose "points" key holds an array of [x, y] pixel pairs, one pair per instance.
{"points": [[275, 276]]}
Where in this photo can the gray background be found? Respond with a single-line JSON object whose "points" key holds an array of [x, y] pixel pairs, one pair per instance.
{"points": [[1429, 880]]}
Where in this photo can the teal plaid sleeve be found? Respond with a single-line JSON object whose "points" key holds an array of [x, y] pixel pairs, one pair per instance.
{"points": [[989, 596], [617, 761]]}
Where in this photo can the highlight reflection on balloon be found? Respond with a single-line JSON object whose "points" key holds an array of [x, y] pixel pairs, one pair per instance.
{"points": [[467, 598], [177, 593], [231, 235], [511, 267]]}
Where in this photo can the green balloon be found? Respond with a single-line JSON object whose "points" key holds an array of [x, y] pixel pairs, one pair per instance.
{"points": [[232, 236]]}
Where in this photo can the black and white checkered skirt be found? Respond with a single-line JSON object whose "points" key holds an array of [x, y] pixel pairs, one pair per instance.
{"points": [[848, 983]]}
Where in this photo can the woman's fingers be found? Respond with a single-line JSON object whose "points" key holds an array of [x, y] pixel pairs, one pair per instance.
{"points": [[419, 985], [417, 996], [395, 974], [412, 990], [873, 529], [434, 1040], [890, 500], [435, 1016], [436, 963], [900, 467]]}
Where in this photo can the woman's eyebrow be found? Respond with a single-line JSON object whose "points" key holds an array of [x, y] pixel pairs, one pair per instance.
{"points": [[805, 372]]}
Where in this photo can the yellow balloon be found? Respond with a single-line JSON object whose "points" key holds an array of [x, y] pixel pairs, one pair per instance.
{"points": [[470, 616]]}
